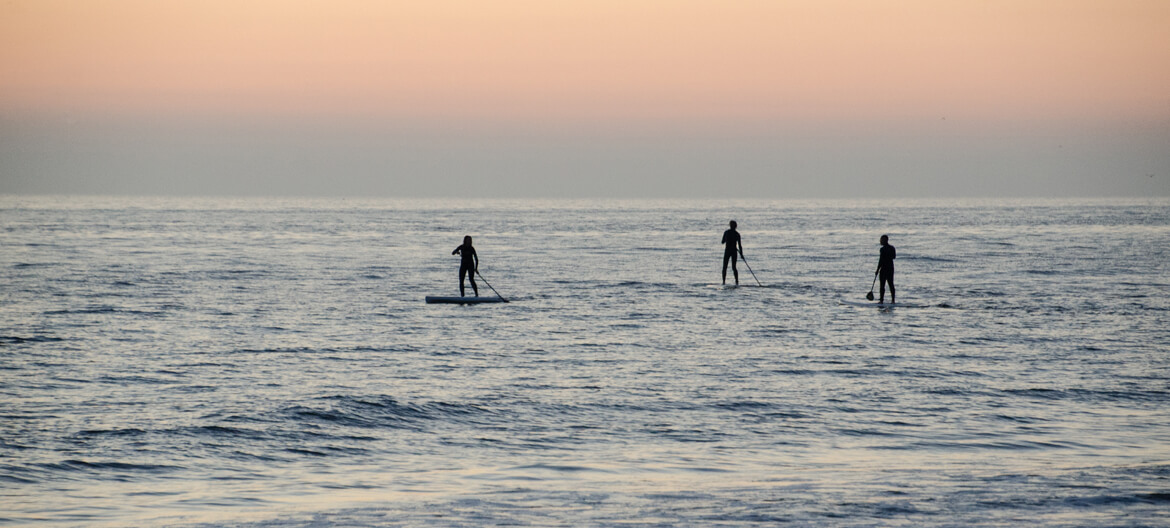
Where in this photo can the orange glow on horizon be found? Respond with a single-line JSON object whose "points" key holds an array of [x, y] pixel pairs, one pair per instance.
{"points": [[635, 60]]}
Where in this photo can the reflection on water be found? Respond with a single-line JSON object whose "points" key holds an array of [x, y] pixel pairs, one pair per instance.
{"points": [[271, 363]]}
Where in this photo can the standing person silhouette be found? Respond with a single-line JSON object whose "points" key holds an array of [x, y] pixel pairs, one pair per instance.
{"points": [[468, 265], [731, 244], [885, 269]]}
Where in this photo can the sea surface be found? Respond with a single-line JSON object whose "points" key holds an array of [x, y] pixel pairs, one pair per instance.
{"points": [[271, 363]]}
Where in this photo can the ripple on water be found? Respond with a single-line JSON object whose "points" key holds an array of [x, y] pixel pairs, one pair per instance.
{"points": [[169, 360]]}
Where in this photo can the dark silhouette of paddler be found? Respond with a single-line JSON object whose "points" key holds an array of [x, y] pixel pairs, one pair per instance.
{"points": [[731, 244], [885, 269], [468, 265]]}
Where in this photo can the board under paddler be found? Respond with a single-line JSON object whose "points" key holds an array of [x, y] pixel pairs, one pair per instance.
{"points": [[463, 300], [880, 305]]}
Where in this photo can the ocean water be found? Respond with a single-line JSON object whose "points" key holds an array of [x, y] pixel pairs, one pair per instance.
{"points": [[207, 362]]}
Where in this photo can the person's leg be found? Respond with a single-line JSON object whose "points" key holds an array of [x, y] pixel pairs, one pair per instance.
{"points": [[892, 294], [462, 273], [726, 257], [734, 269], [471, 277], [882, 290]]}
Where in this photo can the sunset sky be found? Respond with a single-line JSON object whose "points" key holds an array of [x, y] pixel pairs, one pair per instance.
{"points": [[443, 97]]}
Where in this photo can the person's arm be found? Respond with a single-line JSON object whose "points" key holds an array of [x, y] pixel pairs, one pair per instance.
{"points": [[739, 242], [724, 239], [475, 256], [456, 252]]}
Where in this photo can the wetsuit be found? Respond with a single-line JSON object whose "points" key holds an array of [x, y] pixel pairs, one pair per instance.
{"points": [[467, 266], [886, 270], [731, 241]]}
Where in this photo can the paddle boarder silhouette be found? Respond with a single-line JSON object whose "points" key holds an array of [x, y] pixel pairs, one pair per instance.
{"points": [[885, 269], [731, 244], [468, 264]]}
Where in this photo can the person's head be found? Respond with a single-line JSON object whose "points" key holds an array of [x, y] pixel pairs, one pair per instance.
{"points": [[467, 240], [733, 224], [885, 240]]}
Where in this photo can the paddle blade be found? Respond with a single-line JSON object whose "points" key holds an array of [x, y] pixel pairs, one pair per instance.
{"points": [[869, 296]]}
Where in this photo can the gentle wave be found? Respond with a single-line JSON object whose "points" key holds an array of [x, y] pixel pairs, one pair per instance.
{"points": [[181, 362]]}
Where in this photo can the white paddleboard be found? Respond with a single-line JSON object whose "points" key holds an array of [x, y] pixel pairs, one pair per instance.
{"points": [[462, 300]]}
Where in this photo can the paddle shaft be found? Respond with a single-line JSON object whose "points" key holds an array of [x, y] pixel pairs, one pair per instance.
{"points": [[745, 263], [489, 285]]}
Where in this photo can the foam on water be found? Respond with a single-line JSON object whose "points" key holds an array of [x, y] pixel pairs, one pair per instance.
{"points": [[271, 363]]}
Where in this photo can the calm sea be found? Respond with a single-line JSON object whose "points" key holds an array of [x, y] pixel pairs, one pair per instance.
{"points": [[175, 362]]}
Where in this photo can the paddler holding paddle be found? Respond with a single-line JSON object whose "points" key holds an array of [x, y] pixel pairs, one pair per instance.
{"points": [[468, 265], [731, 244], [885, 269]]}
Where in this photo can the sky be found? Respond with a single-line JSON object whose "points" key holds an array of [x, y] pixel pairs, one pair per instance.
{"points": [[598, 98]]}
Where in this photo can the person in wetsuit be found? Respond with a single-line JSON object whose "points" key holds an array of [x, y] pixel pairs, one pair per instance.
{"points": [[885, 269], [468, 265], [731, 244]]}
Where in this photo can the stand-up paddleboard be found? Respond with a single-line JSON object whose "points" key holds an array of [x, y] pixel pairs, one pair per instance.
{"points": [[880, 305], [463, 300]]}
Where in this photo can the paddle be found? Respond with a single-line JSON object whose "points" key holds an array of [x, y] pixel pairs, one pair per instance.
{"points": [[489, 285], [750, 269], [869, 296]]}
